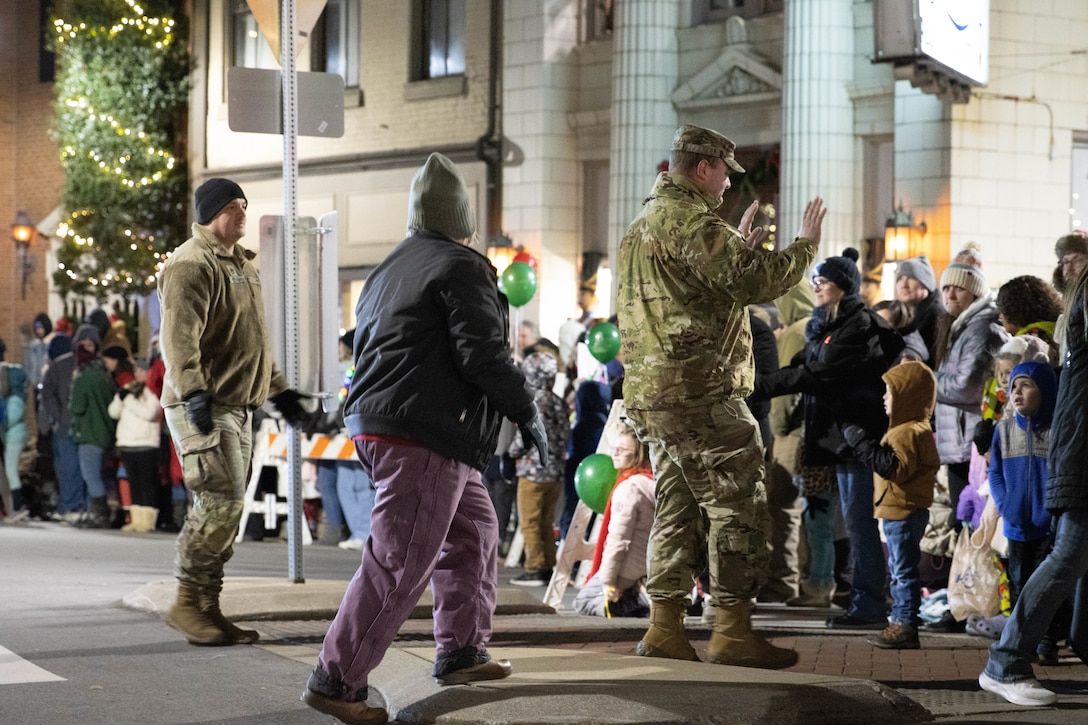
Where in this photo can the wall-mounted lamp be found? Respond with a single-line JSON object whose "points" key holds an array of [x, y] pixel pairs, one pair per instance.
{"points": [[501, 251], [902, 237], [24, 233]]}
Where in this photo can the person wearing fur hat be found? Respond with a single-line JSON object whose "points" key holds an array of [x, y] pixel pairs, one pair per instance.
{"points": [[916, 287], [433, 378], [968, 337], [848, 349], [1072, 253], [219, 368]]}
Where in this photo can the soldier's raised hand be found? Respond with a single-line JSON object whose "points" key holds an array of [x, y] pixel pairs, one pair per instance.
{"points": [[813, 220], [752, 237]]}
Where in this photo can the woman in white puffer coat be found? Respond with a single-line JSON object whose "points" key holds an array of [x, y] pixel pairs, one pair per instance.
{"points": [[139, 414]]}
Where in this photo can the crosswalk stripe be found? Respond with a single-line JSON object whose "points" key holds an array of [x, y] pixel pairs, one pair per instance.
{"points": [[15, 670]]}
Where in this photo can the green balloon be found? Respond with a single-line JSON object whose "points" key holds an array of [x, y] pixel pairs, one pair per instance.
{"points": [[603, 341], [518, 283], [594, 479]]}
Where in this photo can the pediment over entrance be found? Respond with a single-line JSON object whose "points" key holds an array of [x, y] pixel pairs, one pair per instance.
{"points": [[735, 77]]}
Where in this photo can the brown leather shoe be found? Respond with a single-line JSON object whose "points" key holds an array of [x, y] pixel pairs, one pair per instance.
{"points": [[490, 670], [351, 713]]}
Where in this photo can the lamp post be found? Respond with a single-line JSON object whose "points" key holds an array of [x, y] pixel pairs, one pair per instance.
{"points": [[23, 232], [501, 251], [902, 238]]}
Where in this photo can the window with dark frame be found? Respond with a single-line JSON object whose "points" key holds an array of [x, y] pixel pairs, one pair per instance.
{"points": [[440, 42], [249, 49], [335, 44]]}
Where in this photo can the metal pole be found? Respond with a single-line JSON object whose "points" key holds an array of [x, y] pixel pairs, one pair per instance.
{"points": [[290, 282]]}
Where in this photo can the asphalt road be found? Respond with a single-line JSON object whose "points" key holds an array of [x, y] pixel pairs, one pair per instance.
{"points": [[92, 661]]}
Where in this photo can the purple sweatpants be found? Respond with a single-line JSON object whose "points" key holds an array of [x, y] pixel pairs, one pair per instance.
{"points": [[432, 522]]}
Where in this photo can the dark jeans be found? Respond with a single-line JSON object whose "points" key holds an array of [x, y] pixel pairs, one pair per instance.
{"points": [[866, 552], [1060, 575]]}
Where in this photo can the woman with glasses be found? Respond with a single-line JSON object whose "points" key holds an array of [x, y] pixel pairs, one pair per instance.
{"points": [[848, 348], [614, 586]]}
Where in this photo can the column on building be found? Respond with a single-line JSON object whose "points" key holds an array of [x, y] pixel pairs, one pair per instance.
{"points": [[542, 178], [644, 71], [923, 150], [819, 152]]}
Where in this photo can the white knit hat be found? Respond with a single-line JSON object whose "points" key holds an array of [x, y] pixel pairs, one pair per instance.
{"points": [[965, 270], [438, 200]]}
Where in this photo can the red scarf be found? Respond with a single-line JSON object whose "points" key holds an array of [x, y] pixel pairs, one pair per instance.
{"points": [[598, 550]]}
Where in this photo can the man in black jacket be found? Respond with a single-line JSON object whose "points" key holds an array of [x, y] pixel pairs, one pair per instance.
{"points": [[433, 378]]}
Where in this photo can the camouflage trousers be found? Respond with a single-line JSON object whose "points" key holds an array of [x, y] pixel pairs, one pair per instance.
{"points": [[216, 468], [711, 502]]}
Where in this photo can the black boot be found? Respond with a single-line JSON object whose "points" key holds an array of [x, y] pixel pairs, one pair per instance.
{"points": [[98, 516]]}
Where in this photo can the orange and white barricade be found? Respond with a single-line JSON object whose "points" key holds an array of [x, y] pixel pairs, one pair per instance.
{"points": [[270, 449]]}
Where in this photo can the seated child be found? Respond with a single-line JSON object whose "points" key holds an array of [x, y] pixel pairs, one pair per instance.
{"points": [[1018, 471], [614, 586], [905, 462]]}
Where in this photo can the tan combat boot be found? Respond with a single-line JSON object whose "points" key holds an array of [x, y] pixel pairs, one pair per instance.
{"points": [[209, 603], [188, 617], [666, 636], [734, 643]]}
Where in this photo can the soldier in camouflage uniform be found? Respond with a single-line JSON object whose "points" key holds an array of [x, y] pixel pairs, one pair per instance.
{"points": [[219, 368], [685, 279]]}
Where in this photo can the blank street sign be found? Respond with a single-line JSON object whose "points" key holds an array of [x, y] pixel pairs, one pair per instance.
{"points": [[255, 102]]}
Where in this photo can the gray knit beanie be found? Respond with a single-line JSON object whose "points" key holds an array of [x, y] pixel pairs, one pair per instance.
{"points": [[438, 200], [920, 269]]}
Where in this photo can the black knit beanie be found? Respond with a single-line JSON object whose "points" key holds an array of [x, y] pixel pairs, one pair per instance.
{"points": [[843, 271], [212, 196]]}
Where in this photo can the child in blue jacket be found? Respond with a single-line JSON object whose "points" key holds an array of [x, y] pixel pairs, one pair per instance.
{"points": [[1018, 474]]}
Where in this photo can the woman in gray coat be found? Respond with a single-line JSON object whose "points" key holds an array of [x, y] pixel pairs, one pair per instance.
{"points": [[967, 339]]}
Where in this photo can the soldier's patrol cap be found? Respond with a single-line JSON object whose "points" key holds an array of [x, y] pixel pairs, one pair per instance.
{"points": [[697, 140]]}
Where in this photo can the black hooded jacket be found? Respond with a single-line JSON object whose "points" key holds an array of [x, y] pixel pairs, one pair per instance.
{"points": [[839, 372], [432, 352]]}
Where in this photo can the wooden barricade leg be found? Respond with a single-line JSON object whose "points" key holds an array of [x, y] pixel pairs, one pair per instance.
{"points": [[576, 547]]}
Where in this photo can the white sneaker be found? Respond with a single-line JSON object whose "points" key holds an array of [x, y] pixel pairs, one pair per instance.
{"points": [[1028, 693], [352, 544]]}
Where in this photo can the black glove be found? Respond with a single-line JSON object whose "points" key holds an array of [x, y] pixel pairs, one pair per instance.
{"points": [[534, 431], [854, 435], [984, 435], [123, 393], [817, 504], [289, 404], [198, 409]]}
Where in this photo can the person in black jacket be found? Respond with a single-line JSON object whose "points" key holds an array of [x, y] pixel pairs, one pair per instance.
{"points": [[433, 378], [916, 287], [848, 348]]}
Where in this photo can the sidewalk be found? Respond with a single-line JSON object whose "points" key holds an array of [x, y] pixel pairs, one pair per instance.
{"points": [[574, 669]]}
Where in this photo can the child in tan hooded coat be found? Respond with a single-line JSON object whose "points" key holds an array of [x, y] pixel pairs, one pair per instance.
{"points": [[905, 462]]}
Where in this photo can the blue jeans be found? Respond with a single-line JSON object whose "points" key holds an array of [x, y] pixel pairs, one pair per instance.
{"points": [[1060, 575], [71, 496], [904, 553], [356, 497], [330, 500], [866, 552], [90, 466], [817, 519]]}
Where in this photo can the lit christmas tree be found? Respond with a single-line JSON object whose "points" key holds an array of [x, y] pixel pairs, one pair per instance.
{"points": [[121, 120]]}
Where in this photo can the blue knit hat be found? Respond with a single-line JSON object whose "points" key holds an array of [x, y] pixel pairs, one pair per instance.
{"points": [[843, 271]]}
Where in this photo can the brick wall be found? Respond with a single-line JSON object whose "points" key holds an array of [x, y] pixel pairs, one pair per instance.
{"points": [[30, 173]]}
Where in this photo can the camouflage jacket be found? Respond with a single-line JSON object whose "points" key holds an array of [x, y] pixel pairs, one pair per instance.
{"points": [[685, 277]]}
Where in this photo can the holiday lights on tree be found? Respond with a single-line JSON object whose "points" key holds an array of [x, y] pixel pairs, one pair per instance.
{"points": [[121, 120]]}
